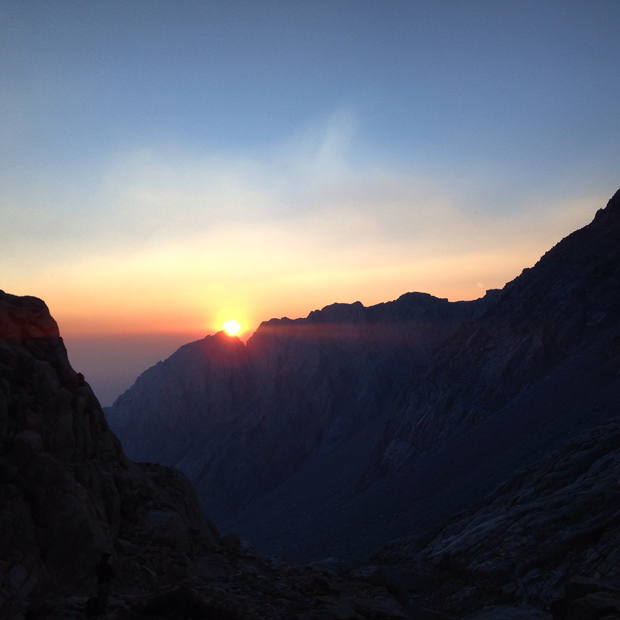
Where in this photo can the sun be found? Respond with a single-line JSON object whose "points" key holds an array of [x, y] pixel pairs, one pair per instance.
{"points": [[232, 328]]}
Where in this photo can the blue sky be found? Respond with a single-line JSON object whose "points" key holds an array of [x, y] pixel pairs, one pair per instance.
{"points": [[168, 165], [426, 80]]}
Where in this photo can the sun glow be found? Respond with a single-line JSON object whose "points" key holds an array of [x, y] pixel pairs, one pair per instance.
{"points": [[232, 328]]}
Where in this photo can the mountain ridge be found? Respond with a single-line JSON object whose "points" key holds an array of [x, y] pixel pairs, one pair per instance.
{"points": [[297, 388], [575, 296]]}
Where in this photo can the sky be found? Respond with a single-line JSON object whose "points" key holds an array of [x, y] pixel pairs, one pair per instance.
{"points": [[166, 166]]}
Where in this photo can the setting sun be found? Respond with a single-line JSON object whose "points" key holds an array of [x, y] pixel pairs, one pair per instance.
{"points": [[232, 328]]}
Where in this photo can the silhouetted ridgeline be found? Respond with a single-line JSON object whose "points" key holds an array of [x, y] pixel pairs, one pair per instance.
{"points": [[568, 301], [240, 420]]}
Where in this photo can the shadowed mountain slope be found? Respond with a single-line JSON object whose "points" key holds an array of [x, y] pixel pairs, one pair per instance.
{"points": [[549, 536], [447, 399], [241, 420], [570, 298], [321, 520]]}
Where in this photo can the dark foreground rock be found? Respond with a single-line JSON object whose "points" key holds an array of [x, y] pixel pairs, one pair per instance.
{"points": [[545, 545], [228, 585], [67, 490]]}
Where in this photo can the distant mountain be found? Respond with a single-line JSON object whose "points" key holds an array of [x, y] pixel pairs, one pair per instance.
{"points": [[240, 420]]}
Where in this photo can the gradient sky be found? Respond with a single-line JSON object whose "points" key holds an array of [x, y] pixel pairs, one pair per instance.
{"points": [[166, 166]]}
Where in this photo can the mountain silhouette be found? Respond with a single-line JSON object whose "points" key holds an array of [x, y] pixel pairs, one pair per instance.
{"points": [[568, 301], [336, 433], [240, 420]]}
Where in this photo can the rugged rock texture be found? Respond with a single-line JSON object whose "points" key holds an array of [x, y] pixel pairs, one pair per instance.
{"points": [[581, 393], [241, 585], [568, 300], [549, 537], [543, 545], [67, 490], [241, 420]]}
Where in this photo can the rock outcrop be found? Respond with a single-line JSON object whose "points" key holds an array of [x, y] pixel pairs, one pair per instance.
{"points": [[67, 490]]}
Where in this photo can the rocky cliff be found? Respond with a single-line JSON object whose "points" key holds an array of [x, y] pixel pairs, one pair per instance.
{"points": [[241, 420], [67, 490]]}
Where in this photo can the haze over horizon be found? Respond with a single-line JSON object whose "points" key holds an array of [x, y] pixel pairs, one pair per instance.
{"points": [[167, 167]]}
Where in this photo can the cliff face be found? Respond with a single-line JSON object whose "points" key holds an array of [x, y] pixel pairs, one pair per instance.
{"points": [[567, 301], [67, 490], [241, 420]]}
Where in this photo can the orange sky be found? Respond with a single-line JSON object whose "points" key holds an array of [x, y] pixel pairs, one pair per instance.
{"points": [[138, 296], [120, 315], [252, 274], [122, 310], [160, 249]]}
